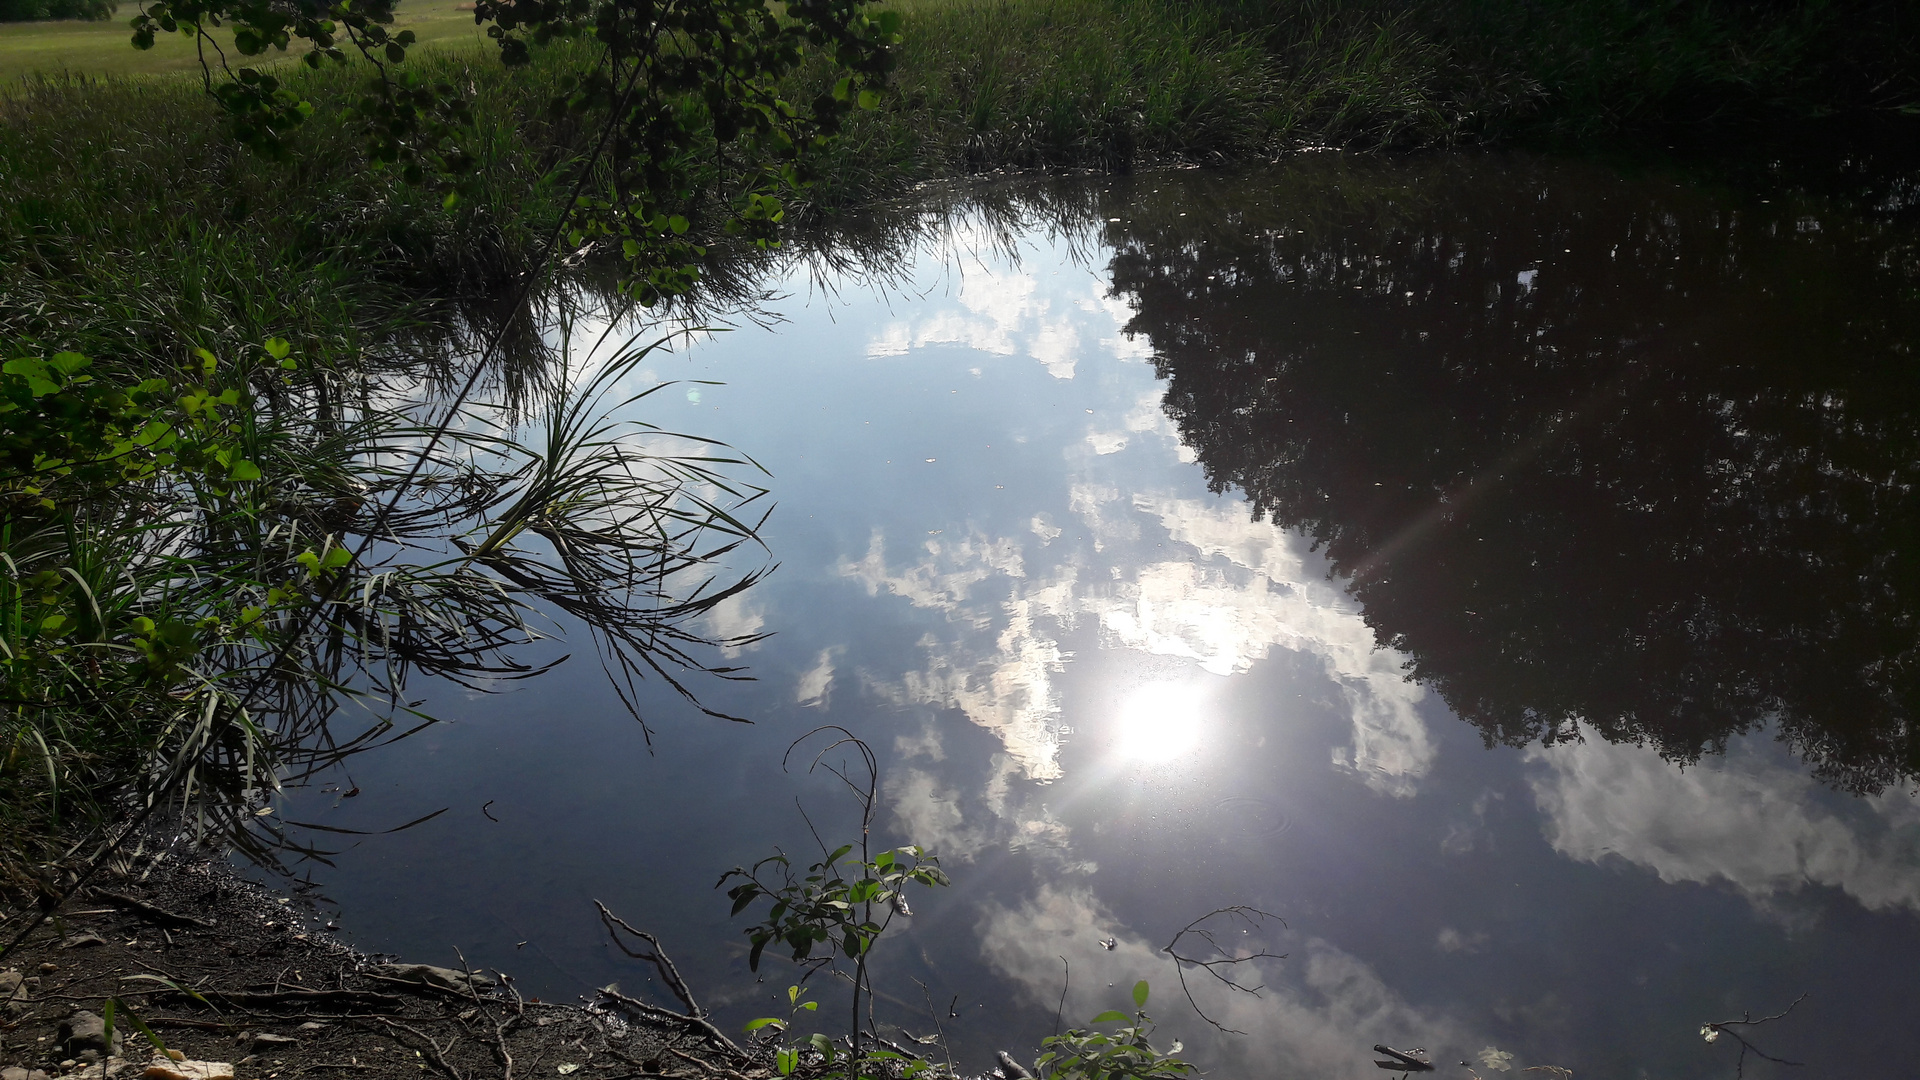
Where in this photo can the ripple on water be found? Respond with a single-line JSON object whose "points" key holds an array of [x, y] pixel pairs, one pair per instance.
{"points": [[1244, 817]]}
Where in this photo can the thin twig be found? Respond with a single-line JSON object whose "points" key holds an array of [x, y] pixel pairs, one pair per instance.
{"points": [[1714, 1030], [434, 1054], [1254, 918], [1066, 980]]}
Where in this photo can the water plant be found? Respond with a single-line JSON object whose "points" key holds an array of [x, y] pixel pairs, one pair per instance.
{"points": [[212, 588], [840, 908], [844, 905]]}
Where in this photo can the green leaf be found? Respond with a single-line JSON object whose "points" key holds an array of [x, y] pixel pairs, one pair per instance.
{"points": [[785, 1061], [278, 348], [1140, 994], [1110, 1016], [142, 1028], [336, 558], [824, 1045], [244, 470], [766, 1021]]}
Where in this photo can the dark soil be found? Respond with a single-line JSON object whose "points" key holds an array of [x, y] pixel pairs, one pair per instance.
{"points": [[224, 971]]}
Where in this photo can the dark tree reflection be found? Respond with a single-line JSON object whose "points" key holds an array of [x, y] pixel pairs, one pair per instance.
{"points": [[1624, 451]]}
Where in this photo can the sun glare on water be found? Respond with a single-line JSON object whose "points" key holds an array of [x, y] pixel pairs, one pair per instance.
{"points": [[1158, 722]]}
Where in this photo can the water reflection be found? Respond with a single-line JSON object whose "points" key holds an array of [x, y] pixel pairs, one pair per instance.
{"points": [[1636, 458], [1112, 700]]}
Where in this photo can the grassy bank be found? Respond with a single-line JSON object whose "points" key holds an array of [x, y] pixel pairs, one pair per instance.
{"points": [[101, 48], [1107, 84], [126, 208]]}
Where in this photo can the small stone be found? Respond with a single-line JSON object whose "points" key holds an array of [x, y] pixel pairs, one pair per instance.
{"points": [[49, 968], [311, 1027], [85, 940], [15, 1072], [84, 1031], [13, 991], [162, 1068], [267, 1040]]}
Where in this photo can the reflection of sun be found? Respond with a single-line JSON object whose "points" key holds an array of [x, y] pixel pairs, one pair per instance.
{"points": [[1158, 722]]}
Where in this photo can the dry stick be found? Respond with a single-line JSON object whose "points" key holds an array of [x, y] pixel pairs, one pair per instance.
{"points": [[433, 1053], [1253, 917], [500, 1027], [710, 1069], [938, 1030], [159, 916], [658, 957], [1065, 981], [379, 523], [695, 1016], [1740, 1065]]}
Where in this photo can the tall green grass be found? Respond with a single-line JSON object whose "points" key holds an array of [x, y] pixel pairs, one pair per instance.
{"points": [[984, 85], [134, 230]]}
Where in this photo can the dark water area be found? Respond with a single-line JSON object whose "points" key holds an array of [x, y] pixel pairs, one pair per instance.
{"points": [[1502, 568]]}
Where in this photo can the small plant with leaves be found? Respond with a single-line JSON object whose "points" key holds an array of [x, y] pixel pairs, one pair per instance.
{"points": [[1125, 1053], [840, 907]]}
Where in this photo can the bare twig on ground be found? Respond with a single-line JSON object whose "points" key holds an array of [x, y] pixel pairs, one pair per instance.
{"points": [[695, 1016], [435, 1055]]}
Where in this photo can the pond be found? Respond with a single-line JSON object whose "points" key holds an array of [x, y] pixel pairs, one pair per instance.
{"points": [[1503, 569]]}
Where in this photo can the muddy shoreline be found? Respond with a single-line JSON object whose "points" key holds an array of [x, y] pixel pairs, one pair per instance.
{"points": [[235, 980]]}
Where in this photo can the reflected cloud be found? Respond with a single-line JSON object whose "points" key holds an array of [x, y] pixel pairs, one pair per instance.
{"points": [[1233, 590], [945, 574], [733, 618], [1228, 617], [1004, 313], [816, 684], [1738, 819], [1314, 1011], [1450, 940], [1007, 689]]}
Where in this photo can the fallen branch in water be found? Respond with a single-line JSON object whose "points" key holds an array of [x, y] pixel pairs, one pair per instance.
{"points": [[1254, 918], [1713, 1030]]}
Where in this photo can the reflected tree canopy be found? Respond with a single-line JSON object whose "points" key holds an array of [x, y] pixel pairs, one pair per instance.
{"points": [[1596, 450]]}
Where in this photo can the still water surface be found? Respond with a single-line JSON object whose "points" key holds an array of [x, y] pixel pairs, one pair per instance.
{"points": [[1502, 569]]}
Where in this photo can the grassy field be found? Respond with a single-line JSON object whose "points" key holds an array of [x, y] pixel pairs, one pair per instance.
{"points": [[104, 48]]}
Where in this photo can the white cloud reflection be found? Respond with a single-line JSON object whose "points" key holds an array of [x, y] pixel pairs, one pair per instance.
{"points": [[1316, 1014], [816, 683], [1002, 313], [1740, 819], [1224, 592]]}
